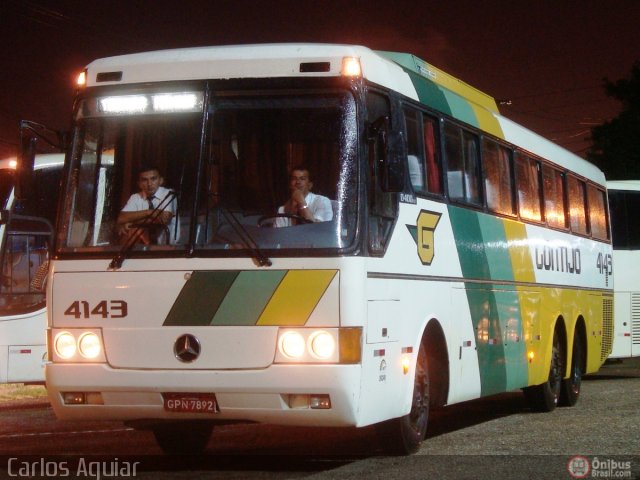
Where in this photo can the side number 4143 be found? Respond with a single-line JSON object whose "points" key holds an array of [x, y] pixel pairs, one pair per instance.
{"points": [[103, 309]]}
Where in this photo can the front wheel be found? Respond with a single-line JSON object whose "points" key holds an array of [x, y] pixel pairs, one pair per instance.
{"points": [[544, 398], [183, 438], [402, 436]]}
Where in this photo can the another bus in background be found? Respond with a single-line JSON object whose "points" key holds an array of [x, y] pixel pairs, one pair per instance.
{"points": [[624, 204], [26, 229]]}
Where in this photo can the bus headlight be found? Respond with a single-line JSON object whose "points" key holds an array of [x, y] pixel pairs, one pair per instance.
{"points": [[319, 345], [322, 345], [77, 345], [292, 345], [65, 345], [89, 345]]}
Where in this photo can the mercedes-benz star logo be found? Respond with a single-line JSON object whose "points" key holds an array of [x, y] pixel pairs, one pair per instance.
{"points": [[187, 348]]}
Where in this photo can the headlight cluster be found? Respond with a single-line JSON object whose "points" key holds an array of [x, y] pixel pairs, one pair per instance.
{"points": [[77, 346], [308, 345]]}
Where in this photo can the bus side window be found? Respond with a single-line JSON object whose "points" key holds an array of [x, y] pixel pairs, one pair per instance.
{"points": [[432, 155], [414, 150], [553, 190], [498, 172], [577, 197], [528, 188], [383, 206], [463, 166], [24, 268], [597, 213]]}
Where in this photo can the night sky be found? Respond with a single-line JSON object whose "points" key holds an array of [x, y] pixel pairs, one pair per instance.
{"points": [[547, 57]]}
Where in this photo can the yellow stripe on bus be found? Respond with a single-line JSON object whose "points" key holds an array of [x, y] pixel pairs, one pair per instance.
{"points": [[296, 297], [519, 251]]}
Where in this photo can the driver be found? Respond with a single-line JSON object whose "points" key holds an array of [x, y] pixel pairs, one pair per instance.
{"points": [[302, 202], [140, 205]]}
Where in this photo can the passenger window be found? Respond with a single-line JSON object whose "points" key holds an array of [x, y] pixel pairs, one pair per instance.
{"points": [[414, 150], [463, 177], [498, 175], [577, 213], [431, 146], [553, 191], [528, 188], [597, 212]]}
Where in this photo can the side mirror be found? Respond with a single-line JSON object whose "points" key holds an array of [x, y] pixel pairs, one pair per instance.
{"points": [[26, 161], [30, 134]]}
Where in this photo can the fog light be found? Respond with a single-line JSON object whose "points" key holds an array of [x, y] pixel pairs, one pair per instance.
{"points": [[74, 398], [320, 402], [65, 345], [89, 345], [292, 345]]}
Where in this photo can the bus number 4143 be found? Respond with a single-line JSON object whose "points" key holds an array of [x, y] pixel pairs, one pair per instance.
{"points": [[103, 309]]}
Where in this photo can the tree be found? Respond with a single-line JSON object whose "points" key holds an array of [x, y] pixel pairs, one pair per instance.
{"points": [[616, 143]]}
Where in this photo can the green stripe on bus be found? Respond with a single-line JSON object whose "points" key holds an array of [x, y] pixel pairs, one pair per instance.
{"points": [[248, 297], [429, 93], [495, 311], [200, 298]]}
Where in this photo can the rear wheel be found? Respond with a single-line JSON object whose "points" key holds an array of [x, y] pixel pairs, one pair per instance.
{"points": [[183, 438], [401, 436], [544, 398], [570, 391]]}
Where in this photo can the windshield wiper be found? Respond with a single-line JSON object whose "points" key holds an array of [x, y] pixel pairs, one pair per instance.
{"points": [[245, 238], [149, 220]]}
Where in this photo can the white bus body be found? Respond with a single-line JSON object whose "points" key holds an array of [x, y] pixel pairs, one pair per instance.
{"points": [[430, 293], [26, 237], [624, 202]]}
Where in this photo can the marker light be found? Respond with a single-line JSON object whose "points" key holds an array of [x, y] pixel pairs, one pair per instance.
{"points": [[292, 345], [124, 104], [175, 102], [351, 67], [322, 345], [65, 345], [81, 81], [89, 345], [406, 363], [531, 356]]}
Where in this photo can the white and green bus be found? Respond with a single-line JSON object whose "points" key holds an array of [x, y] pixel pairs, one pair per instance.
{"points": [[26, 237], [624, 204], [465, 255]]}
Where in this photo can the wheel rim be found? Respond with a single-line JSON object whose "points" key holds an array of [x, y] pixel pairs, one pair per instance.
{"points": [[576, 371], [555, 374], [419, 414]]}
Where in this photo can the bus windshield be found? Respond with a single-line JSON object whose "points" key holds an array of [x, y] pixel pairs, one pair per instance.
{"points": [[223, 180]]}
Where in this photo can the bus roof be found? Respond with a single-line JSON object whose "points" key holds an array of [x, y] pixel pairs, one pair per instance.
{"points": [[633, 185], [400, 72]]}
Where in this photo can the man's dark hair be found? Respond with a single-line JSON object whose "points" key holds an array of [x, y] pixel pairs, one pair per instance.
{"points": [[302, 167], [148, 168]]}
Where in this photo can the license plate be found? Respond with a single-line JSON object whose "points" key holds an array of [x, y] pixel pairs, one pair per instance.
{"points": [[190, 402]]}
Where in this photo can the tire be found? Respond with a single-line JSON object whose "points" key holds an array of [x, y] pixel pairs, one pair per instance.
{"points": [[570, 391], [545, 397], [183, 438], [402, 436]]}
